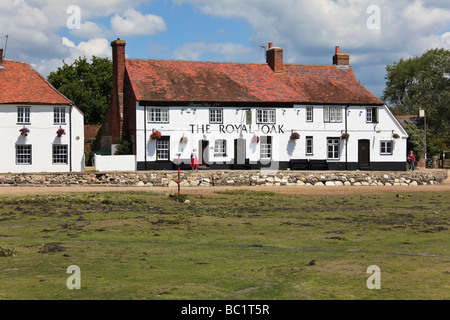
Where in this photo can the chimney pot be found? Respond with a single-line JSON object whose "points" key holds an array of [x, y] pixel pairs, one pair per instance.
{"points": [[341, 59], [1, 57], [274, 57]]}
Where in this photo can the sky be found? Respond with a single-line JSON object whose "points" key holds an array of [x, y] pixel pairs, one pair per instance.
{"points": [[375, 33]]}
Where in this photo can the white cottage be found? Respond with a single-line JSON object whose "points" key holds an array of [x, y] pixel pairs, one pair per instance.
{"points": [[249, 116], [41, 130]]}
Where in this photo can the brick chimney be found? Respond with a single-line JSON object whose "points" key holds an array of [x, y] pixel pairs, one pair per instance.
{"points": [[341, 59], [116, 108], [274, 57]]}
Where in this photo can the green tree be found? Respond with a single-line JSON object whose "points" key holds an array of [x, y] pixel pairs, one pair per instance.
{"points": [[87, 84], [423, 83]]}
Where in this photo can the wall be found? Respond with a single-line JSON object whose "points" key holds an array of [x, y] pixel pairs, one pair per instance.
{"points": [[42, 136], [115, 162], [228, 178], [195, 125]]}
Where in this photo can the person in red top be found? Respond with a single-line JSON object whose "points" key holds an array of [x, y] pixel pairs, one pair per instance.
{"points": [[411, 160]]}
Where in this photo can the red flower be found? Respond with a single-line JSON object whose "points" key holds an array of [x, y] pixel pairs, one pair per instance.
{"points": [[155, 135]]}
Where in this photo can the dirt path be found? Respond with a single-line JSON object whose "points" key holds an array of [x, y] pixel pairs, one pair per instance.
{"points": [[211, 190]]}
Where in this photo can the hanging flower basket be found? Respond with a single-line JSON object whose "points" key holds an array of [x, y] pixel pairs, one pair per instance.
{"points": [[155, 135], [295, 136], [345, 136], [395, 136], [183, 139], [60, 132], [255, 139], [24, 131]]}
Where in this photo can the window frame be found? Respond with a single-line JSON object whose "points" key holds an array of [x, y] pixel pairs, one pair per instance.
{"points": [[220, 148], [386, 143], [332, 114], [308, 139], [58, 155], [371, 115], [260, 117], [23, 115], [153, 114], [59, 115], [309, 114], [22, 154], [266, 142], [218, 112], [165, 140], [334, 144]]}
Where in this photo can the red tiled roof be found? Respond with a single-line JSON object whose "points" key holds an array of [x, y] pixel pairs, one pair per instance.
{"points": [[188, 81], [19, 83]]}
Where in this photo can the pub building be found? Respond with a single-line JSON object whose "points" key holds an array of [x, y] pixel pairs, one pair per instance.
{"points": [[250, 116]]}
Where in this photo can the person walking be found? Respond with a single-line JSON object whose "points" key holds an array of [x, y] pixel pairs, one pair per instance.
{"points": [[411, 160], [194, 160]]}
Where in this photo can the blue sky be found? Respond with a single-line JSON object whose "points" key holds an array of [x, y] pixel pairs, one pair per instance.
{"points": [[373, 32]]}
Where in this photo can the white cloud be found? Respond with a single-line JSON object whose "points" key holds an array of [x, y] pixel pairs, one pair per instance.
{"points": [[89, 30], [215, 52], [134, 23]]}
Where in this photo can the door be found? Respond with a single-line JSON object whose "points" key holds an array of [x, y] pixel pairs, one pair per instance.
{"points": [[239, 151], [204, 152], [363, 153]]}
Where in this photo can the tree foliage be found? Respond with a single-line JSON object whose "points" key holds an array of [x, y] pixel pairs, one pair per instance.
{"points": [[87, 84], [423, 83]]}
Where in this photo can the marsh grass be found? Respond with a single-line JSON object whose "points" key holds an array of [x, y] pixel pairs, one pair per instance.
{"points": [[237, 244]]}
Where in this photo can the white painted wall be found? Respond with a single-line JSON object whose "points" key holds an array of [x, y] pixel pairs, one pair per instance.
{"points": [[115, 162], [42, 136], [290, 119]]}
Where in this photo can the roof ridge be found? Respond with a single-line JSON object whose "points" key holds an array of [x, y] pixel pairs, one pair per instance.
{"points": [[229, 62]]}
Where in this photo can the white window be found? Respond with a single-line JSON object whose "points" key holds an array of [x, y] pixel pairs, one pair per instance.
{"points": [[162, 148], [23, 115], [265, 116], [60, 154], [332, 114], [215, 116], [372, 115], [309, 114], [309, 145], [157, 114], [333, 148], [266, 147], [220, 148], [386, 147], [23, 154], [59, 115]]}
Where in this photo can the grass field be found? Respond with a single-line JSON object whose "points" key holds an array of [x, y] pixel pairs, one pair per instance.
{"points": [[238, 244]]}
